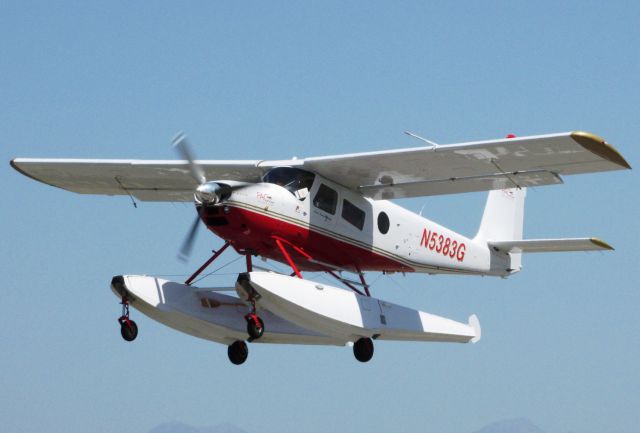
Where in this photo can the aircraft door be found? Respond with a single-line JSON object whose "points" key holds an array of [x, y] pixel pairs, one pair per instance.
{"points": [[324, 206]]}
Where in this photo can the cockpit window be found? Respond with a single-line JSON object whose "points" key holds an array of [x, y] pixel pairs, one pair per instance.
{"points": [[297, 181]]}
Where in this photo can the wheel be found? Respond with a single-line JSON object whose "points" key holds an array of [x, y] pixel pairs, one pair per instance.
{"points": [[238, 352], [363, 349], [129, 331], [253, 330]]}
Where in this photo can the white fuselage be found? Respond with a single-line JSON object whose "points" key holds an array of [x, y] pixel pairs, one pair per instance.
{"points": [[350, 231]]}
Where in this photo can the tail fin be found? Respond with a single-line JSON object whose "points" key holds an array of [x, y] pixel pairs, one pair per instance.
{"points": [[503, 219]]}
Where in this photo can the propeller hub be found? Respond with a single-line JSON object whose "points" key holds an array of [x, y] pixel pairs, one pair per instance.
{"points": [[209, 193]]}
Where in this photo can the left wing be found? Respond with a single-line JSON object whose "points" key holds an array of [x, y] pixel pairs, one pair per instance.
{"points": [[146, 180], [467, 167]]}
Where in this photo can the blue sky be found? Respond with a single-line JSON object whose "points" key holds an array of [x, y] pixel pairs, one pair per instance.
{"points": [[258, 80]]}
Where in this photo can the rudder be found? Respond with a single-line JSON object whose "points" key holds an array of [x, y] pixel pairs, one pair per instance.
{"points": [[503, 219]]}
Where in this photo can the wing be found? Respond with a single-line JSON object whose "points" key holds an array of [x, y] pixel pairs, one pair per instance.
{"points": [[450, 169], [466, 167], [146, 180]]}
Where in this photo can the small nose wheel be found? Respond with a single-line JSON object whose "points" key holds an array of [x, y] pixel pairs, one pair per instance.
{"points": [[363, 349], [128, 328], [238, 352]]}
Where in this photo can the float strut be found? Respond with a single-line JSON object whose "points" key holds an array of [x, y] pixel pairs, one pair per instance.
{"points": [[362, 280], [280, 242], [346, 283], [215, 255], [288, 257]]}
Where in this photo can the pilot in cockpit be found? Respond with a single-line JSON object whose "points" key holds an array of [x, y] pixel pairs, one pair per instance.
{"points": [[298, 182]]}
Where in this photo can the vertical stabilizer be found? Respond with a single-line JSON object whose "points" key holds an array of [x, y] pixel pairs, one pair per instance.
{"points": [[503, 219]]}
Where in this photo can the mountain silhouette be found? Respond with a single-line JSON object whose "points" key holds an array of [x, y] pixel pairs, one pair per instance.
{"points": [[516, 425], [178, 427]]}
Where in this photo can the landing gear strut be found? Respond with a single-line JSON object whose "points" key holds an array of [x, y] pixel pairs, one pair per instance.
{"points": [[128, 328], [238, 352], [255, 325], [363, 349]]}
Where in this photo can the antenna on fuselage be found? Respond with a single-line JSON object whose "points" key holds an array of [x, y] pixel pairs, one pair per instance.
{"points": [[434, 145]]}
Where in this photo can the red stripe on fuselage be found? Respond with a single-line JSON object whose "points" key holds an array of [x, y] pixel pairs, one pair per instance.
{"points": [[253, 231]]}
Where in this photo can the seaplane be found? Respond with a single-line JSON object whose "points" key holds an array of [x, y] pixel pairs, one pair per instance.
{"points": [[333, 214]]}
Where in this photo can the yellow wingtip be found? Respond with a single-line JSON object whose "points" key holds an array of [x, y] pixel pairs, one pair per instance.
{"points": [[600, 147], [602, 244]]}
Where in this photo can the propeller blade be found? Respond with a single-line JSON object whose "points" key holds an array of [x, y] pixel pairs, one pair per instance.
{"points": [[182, 146], [187, 245]]}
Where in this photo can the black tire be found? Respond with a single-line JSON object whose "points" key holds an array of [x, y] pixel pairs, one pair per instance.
{"points": [[129, 331], [363, 349], [238, 352], [253, 330]]}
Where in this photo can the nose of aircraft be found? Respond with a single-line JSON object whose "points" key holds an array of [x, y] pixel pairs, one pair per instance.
{"points": [[209, 193]]}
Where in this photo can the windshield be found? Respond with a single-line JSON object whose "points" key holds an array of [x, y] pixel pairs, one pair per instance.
{"points": [[297, 181]]}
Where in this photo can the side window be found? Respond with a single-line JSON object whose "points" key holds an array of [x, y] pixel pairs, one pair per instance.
{"points": [[383, 223], [326, 199], [353, 214]]}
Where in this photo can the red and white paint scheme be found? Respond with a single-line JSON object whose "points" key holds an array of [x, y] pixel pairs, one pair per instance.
{"points": [[334, 214]]}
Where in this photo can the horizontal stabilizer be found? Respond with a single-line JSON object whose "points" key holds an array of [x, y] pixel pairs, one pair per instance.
{"points": [[550, 245]]}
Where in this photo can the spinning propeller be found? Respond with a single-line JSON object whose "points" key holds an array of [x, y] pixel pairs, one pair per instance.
{"points": [[197, 173], [207, 193], [187, 244]]}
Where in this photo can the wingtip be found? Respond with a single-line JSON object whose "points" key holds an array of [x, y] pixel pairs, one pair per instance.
{"points": [[600, 147], [13, 163], [602, 244]]}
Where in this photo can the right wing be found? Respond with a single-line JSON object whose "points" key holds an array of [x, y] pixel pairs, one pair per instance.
{"points": [[146, 180], [468, 167]]}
